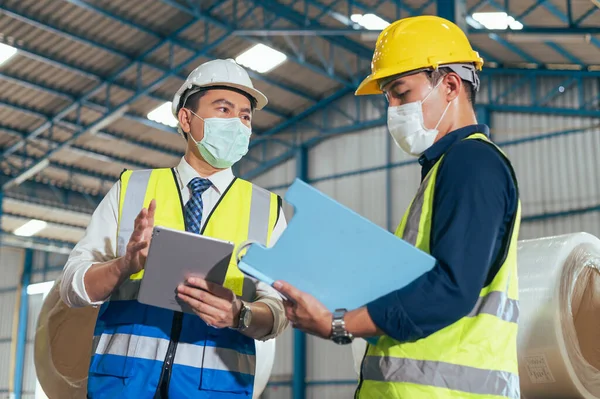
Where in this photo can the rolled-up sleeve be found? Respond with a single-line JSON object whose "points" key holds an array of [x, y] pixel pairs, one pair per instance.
{"points": [[97, 245], [475, 200], [268, 295]]}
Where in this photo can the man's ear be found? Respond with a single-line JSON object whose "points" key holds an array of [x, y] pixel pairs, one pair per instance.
{"points": [[185, 120], [453, 83]]}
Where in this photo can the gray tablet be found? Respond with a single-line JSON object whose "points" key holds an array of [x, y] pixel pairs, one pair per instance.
{"points": [[176, 255]]}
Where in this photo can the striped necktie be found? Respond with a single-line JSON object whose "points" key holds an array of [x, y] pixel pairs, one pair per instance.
{"points": [[194, 207]]}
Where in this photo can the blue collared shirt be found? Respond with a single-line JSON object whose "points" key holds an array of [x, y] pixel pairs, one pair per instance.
{"points": [[474, 203]]}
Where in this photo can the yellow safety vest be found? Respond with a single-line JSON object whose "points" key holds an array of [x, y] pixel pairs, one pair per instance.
{"points": [[132, 340], [474, 358], [240, 215]]}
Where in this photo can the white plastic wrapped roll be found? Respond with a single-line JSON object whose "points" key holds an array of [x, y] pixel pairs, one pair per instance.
{"points": [[559, 327], [63, 343], [559, 323]]}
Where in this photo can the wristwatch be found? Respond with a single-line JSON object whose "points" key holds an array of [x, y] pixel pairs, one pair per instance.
{"points": [[339, 334], [245, 317]]}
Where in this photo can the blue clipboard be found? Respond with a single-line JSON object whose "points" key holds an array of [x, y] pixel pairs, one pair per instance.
{"points": [[334, 254]]}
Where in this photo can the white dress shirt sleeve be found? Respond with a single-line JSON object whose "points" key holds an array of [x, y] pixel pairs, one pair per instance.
{"points": [[97, 245], [267, 294]]}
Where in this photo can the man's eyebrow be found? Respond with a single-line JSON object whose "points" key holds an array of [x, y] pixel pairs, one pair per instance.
{"points": [[223, 101], [395, 84], [230, 104]]}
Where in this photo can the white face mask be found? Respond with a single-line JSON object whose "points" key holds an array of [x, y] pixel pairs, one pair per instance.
{"points": [[407, 126], [225, 141]]}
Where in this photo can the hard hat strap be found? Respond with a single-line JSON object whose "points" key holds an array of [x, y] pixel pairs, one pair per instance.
{"points": [[466, 72]]}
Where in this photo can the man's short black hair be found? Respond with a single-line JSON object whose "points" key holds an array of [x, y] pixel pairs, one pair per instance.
{"points": [[435, 76], [193, 101]]}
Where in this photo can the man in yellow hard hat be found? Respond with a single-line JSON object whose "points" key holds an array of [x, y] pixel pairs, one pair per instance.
{"points": [[452, 332]]}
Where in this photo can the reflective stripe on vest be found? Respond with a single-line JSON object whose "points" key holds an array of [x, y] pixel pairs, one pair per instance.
{"points": [[414, 216], [442, 375], [436, 363], [152, 348], [498, 304]]}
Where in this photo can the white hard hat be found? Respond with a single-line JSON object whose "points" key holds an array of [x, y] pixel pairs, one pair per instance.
{"points": [[219, 73]]}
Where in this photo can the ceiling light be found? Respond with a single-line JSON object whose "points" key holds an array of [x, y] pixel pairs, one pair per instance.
{"points": [[30, 228], [261, 58], [163, 115], [40, 288], [370, 21], [497, 20], [6, 52]]}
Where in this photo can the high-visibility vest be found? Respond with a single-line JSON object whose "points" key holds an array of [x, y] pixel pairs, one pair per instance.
{"points": [[138, 347], [474, 358]]}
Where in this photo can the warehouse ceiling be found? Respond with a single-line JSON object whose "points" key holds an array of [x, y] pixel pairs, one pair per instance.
{"points": [[80, 78]]}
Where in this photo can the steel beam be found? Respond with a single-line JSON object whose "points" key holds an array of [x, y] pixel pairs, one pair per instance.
{"points": [[37, 193], [114, 112], [36, 243], [528, 30], [89, 104], [453, 10], [496, 104], [49, 60], [565, 19], [542, 31], [297, 18], [189, 46], [50, 143], [212, 19]]}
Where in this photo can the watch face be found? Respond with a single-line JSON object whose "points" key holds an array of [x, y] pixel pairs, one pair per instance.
{"points": [[343, 340], [246, 318]]}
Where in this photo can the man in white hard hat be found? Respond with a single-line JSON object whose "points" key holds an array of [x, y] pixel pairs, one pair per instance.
{"points": [[146, 352]]}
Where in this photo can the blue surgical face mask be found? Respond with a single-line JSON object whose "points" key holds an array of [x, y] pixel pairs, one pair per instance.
{"points": [[225, 141]]}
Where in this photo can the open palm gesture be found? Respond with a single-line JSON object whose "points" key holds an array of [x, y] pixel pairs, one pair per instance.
{"points": [[137, 248]]}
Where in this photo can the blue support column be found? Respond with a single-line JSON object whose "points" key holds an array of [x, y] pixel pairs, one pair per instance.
{"points": [[22, 326], [484, 117], [453, 10], [483, 114], [299, 371]]}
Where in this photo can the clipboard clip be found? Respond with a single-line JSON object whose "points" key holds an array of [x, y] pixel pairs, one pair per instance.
{"points": [[242, 247]]}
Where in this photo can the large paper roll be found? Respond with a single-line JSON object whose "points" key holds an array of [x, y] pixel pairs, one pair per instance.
{"points": [[63, 344], [559, 324], [559, 327]]}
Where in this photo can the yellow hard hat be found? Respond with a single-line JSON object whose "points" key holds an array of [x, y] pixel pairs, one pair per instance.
{"points": [[417, 43]]}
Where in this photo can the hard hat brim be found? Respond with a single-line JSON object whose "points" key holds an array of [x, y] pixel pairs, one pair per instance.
{"points": [[368, 87]]}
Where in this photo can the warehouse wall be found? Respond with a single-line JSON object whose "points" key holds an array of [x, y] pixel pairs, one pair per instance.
{"points": [[45, 267], [558, 172], [11, 262]]}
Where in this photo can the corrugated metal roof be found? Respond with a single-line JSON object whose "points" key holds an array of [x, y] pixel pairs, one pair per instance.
{"points": [[70, 63]]}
